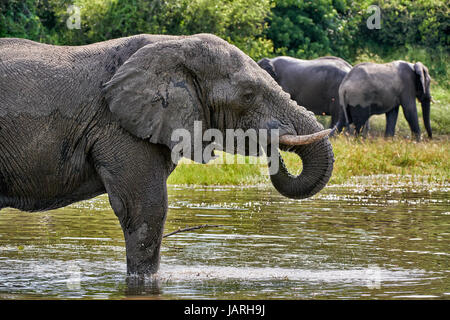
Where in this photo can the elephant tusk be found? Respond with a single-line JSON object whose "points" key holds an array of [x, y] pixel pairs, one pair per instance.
{"points": [[432, 100], [292, 140]]}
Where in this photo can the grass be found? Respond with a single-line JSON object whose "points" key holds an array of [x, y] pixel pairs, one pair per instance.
{"points": [[398, 156], [354, 157]]}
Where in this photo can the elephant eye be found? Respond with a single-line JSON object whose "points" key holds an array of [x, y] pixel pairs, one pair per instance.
{"points": [[249, 97]]}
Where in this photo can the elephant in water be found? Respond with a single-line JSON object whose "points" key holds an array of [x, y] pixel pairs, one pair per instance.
{"points": [[314, 84], [371, 88], [77, 122]]}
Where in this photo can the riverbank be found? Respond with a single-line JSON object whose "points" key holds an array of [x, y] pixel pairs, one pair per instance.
{"points": [[401, 158]]}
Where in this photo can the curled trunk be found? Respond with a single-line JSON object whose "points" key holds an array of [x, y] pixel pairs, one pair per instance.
{"points": [[317, 161], [304, 136]]}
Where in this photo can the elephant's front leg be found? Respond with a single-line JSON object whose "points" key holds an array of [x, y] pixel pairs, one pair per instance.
{"points": [[136, 186], [143, 239], [142, 217]]}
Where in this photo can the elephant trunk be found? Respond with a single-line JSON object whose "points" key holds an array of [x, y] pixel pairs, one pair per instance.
{"points": [[426, 116], [317, 158]]}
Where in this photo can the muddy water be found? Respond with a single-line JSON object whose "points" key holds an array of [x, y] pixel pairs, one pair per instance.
{"points": [[348, 242]]}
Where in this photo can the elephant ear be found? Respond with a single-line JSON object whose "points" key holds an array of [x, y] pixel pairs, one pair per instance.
{"points": [[423, 79], [154, 92], [267, 65]]}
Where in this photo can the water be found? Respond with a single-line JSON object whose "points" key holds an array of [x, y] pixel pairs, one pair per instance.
{"points": [[348, 242]]}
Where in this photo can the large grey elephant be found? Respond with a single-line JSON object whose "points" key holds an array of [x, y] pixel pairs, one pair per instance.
{"points": [[77, 122], [371, 88], [314, 84]]}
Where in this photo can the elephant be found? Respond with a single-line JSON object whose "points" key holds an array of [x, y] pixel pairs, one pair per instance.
{"points": [[371, 88], [313, 84], [80, 121]]}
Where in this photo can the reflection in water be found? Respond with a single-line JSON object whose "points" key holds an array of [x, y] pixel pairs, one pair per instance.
{"points": [[346, 242]]}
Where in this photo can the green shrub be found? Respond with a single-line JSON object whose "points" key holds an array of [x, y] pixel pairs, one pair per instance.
{"points": [[419, 22], [240, 22], [309, 29], [19, 19]]}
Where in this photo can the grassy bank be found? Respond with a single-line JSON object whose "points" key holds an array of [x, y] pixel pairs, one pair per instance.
{"points": [[354, 157]]}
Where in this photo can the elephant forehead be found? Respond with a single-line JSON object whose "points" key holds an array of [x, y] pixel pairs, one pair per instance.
{"points": [[252, 75]]}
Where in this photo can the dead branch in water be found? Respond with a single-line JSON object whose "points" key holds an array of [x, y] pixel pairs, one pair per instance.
{"points": [[192, 228]]}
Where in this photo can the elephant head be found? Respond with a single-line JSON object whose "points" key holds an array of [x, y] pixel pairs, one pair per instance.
{"points": [[423, 94], [171, 84], [267, 65]]}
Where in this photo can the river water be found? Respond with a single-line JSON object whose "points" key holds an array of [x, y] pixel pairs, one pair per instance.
{"points": [[348, 242]]}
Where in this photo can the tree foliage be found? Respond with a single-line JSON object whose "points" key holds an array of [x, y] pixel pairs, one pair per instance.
{"points": [[338, 27], [299, 28], [19, 19], [311, 29], [240, 22], [419, 22]]}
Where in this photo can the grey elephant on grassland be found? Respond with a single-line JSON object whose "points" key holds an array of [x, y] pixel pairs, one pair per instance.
{"points": [[77, 122], [313, 84], [371, 88]]}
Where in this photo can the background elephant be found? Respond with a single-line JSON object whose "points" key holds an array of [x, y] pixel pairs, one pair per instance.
{"points": [[76, 122], [314, 84], [371, 88]]}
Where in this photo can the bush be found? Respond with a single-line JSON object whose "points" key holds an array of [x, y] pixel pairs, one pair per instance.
{"points": [[309, 29], [240, 22], [299, 28], [19, 19], [421, 22]]}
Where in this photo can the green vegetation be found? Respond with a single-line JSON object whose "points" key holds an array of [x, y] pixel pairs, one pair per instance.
{"points": [[411, 30], [306, 28], [240, 22]]}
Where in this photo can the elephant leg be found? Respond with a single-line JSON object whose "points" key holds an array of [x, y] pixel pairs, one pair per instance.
{"points": [[410, 113], [333, 122], [359, 115], [136, 185], [359, 124], [340, 125], [142, 220], [342, 120], [391, 121], [358, 127], [366, 129], [334, 115]]}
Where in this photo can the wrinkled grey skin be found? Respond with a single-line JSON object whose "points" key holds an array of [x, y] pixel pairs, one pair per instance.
{"points": [[371, 88], [76, 122], [313, 84]]}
